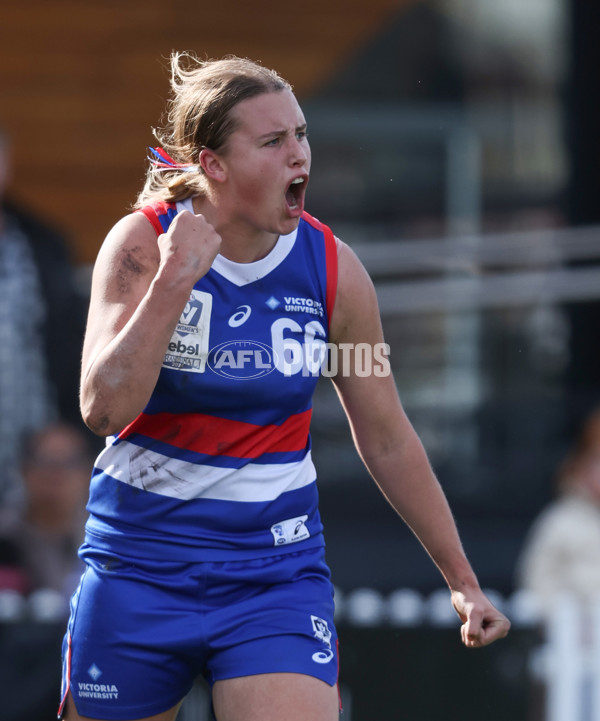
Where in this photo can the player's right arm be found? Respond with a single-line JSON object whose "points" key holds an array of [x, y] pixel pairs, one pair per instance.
{"points": [[140, 287]]}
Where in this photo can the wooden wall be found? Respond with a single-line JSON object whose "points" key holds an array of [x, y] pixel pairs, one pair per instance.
{"points": [[82, 82]]}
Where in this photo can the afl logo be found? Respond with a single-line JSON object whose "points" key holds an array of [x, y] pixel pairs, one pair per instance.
{"points": [[240, 316], [242, 359]]}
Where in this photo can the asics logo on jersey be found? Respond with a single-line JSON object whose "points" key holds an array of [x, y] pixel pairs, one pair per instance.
{"points": [[240, 316]]}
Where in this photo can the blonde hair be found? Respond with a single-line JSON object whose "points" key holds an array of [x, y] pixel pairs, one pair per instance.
{"points": [[199, 115]]}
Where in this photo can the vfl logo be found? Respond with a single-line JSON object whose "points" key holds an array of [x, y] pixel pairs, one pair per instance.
{"points": [[240, 316], [188, 348], [321, 629]]}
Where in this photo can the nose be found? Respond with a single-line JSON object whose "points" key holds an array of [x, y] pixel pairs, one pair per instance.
{"points": [[299, 152]]}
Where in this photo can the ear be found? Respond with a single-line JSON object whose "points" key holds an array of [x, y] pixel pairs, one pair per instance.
{"points": [[212, 164]]}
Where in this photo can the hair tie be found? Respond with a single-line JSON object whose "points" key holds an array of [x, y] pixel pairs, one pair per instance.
{"points": [[163, 161]]}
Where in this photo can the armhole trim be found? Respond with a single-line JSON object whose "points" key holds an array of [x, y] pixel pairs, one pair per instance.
{"points": [[331, 262], [153, 213]]}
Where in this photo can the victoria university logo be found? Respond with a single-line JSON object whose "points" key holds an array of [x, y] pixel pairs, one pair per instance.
{"points": [[107, 691]]}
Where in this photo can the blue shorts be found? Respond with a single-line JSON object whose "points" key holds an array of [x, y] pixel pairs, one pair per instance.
{"points": [[140, 632]]}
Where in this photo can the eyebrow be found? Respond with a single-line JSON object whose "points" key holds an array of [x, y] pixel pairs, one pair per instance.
{"points": [[274, 133]]}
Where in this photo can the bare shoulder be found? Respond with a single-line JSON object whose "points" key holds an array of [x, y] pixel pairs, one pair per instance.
{"points": [[370, 399], [351, 268], [129, 255], [356, 304], [126, 264]]}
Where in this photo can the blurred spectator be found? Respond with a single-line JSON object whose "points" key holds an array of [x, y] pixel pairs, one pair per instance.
{"points": [[42, 318], [562, 550], [39, 540]]}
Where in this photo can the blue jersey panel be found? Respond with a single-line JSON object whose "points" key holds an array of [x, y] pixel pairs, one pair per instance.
{"points": [[218, 466]]}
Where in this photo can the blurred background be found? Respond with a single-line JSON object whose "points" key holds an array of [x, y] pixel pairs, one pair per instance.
{"points": [[456, 148]]}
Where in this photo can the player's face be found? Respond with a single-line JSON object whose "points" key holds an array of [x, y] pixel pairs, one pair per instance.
{"points": [[268, 162]]}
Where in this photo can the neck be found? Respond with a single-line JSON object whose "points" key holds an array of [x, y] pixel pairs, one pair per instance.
{"points": [[239, 242], [244, 247]]}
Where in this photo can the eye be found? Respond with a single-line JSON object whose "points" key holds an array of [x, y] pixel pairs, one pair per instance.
{"points": [[273, 142], [301, 135]]}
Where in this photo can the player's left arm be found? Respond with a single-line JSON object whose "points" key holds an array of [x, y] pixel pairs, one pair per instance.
{"points": [[393, 453]]}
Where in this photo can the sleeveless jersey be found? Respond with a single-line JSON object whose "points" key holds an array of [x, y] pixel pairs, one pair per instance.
{"points": [[218, 465]]}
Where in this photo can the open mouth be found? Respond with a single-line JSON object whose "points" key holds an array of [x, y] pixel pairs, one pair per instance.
{"points": [[294, 195]]}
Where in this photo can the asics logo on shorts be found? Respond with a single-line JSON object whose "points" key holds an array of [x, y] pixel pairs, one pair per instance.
{"points": [[323, 656]]}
